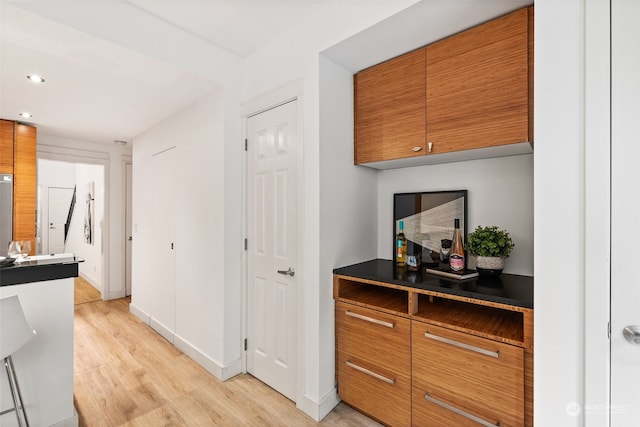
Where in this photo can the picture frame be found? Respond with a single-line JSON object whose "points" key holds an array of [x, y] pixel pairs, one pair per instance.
{"points": [[428, 217]]}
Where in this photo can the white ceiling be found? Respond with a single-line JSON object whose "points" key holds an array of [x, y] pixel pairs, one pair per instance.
{"points": [[97, 90]]}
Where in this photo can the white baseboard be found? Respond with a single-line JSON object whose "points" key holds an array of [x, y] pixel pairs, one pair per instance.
{"points": [[219, 371], [140, 314], [69, 422], [318, 410], [161, 329], [90, 281]]}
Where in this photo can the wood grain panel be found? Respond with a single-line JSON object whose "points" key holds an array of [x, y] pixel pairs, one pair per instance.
{"points": [[489, 322], [24, 184], [6, 146], [477, 85], [490, 387], [389, 109], [375, 337], [383, 349]]}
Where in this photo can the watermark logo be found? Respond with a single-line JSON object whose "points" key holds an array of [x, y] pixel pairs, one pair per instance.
{"points": [[573, 409]]}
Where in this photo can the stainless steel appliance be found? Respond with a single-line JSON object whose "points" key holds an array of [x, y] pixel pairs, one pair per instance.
{"points": [[6, 212]]}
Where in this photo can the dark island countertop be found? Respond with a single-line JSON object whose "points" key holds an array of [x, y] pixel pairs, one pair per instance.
{"points": [[39, 268], [508, 289]]}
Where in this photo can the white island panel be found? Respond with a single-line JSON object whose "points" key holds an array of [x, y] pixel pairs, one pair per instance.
{"points": [[44, 366]]}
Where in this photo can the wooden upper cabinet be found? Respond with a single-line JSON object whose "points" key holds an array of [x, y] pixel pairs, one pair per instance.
{"points": [[24, 184], [6, 146], [478, 85], [389, 109]]}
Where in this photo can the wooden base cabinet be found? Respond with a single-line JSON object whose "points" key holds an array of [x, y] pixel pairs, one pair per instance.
{"points": [[460, 379], [374, 363], [412, 356]]}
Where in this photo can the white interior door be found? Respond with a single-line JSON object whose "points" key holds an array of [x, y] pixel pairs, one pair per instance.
{"points": [[272, 247], [625, 213], [128, 229], [163, 300], [58, 212]]}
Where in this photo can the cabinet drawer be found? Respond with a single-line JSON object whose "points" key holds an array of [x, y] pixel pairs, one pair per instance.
{"points": [[378, 338], [476, 375], [381, 393]]}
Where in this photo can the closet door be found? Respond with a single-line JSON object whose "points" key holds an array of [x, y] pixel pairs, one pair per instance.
{"points": [[163, 299]]}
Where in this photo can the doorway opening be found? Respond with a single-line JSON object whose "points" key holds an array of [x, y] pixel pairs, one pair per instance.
{"points": [[71, 214]]}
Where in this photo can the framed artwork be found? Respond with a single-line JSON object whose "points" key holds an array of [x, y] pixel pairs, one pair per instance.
{"points": [[428, 218]]}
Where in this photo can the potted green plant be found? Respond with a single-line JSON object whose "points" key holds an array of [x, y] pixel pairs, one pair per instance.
{"points": [[490, 246]]}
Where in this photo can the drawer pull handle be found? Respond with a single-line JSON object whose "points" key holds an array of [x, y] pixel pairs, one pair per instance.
{"points": [[350, 364], [495, 354], [370, 319], [458, 411]]}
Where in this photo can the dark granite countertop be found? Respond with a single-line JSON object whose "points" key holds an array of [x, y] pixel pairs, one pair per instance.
{"points": [[508, 289], [40, 268]]}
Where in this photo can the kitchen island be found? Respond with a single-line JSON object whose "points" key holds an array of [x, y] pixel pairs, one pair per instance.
{"points": [[44, 366]]}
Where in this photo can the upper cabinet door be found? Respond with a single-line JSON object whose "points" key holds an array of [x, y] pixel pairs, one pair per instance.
{"points": [[6, 146], [478, 86], [389, 109]]}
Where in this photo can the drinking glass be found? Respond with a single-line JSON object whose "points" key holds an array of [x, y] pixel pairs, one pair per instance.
{"points": [[19, 248]]}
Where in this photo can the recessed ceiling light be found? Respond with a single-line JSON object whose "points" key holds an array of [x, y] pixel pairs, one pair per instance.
{"points": [[35, 78], [120, 142], [26, 115]]}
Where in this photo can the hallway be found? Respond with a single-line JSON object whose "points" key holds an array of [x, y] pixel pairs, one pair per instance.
{"points": [[125, 374]]}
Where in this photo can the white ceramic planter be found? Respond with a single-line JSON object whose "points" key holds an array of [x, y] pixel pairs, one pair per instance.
{"points": [[489, 265], [490, 262]]}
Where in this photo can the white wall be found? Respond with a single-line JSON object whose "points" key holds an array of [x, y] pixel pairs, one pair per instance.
{"points": [[348, 214], [500, 192], [559, 212], [92, 254], [207, 304]]}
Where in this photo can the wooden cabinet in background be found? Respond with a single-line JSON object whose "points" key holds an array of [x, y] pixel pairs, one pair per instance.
{"points": [[6, 146], [389, 107], [478, 86], [18, 157]]}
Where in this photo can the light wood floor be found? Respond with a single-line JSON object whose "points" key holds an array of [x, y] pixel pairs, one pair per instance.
{"points": [[125, 374], [84, 292]]}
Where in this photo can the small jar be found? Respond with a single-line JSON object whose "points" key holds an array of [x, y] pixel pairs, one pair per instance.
{"points": [[445, 249]]}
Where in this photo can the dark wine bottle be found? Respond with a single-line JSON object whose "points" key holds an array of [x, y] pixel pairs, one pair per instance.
{"points": [[456, 256], [401, 246]]}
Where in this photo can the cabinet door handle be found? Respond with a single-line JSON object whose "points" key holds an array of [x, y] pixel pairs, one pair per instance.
{"points": [[459, 411], [350, 364], [480, 350], [416, 149], [430, 146], [370, 319]]}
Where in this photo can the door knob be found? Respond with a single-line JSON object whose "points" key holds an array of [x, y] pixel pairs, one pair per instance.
{"points": [[632, 334], [290, 272], [130, 238]]}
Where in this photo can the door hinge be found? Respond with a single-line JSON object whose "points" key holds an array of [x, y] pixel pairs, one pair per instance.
{"points": [[609, 330], [246, 143], [245, 344], [246, 244]]}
